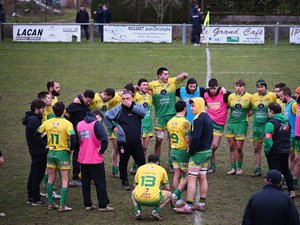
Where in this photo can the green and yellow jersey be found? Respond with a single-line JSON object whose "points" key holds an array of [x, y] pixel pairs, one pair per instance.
{"points": [[278, 100], [148, 180], [98, 103], [58, 132], [178, 128], [260, 104], [239, 107], [117, 100], [48, 113], [147, 101], [164, 96], [55, 99]]}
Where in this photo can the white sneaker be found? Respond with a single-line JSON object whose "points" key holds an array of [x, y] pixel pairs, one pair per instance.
{"points": [[155, 215], [90, 208], [184, 209], [231, 172], [239, 171], [64, 209], [180, 203], [138, 215], [106, 209], [2, 214], [199, 207]]}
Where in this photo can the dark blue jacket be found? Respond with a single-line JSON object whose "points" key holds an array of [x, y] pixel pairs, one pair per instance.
{"points": [[196, 20], [103, 16], [36, 145], [202, 134], [82, 17], [2, 16], [77, 111], [270, 206]]}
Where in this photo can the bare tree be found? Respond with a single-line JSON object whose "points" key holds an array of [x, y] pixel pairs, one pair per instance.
{"points": [[160, 6]]}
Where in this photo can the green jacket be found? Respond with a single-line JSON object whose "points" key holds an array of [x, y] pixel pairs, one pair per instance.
{"points": [[269, 128]]}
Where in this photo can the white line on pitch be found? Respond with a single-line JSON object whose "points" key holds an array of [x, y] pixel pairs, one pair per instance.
{"points": [[198, 215]]}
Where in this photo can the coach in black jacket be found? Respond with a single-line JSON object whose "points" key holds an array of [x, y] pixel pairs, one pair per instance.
{"points": [[37, 150], [271, 206], [126, 121], [196, 20]]}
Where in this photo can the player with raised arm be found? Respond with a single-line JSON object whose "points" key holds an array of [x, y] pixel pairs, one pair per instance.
{"points": [[163, 91]]}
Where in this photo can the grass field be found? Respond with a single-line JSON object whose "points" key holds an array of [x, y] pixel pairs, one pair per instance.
{"points": [[26, 67]]}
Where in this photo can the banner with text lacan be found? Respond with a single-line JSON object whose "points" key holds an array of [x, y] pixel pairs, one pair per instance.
{"points": [[137, 33], [294, 35], [233, 35], [46, 33]]}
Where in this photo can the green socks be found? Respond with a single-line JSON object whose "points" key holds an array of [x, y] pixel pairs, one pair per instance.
{"points": [[258, 169], [233, 165], [240, 164], [189, 202], [63, 196], [213, 165], [295, 181], [157, 209], [45, 180], [137, 208], [177, 194], [170, 162], [115, 169], [49, 192]]}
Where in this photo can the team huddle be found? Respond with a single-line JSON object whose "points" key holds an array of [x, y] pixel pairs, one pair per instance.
{"points": [[194, 126]]}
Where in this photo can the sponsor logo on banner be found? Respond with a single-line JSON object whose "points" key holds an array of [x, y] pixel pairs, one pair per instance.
{"points": [[137, 33], [46, 33], [233, 35], [233, 39], [294, 35]]}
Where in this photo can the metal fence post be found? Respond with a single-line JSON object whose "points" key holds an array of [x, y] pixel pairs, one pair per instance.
{"points": [[92, 28], [276, 34], [183, 35], [1, 31]]}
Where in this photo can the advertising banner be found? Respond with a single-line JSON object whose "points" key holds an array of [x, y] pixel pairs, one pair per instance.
{"points": [[233, 35], [138, 33], [294, 35], [46, 33]]}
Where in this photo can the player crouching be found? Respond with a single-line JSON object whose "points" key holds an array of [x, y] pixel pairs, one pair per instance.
{"points": [[148, 180]]}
